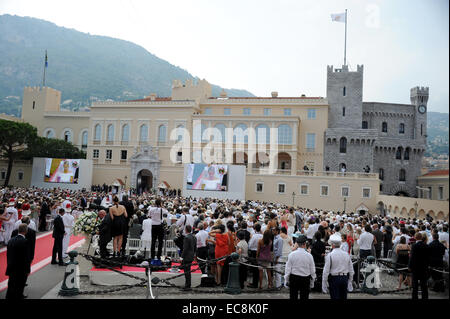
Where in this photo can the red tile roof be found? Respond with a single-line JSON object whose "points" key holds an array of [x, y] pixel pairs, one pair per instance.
{"points": [[437, 172]]}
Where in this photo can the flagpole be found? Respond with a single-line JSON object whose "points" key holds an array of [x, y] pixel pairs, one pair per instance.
{"points": [[45, 66], [345, 42]]}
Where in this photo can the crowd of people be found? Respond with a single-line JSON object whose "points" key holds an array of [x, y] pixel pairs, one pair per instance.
{"points": [[313, 248]]}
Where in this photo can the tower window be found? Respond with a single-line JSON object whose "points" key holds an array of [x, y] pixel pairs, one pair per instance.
{"points": [[343, 111], [343, 91], [401, 129], [381, 173], [406, 155], [402, 175], [384, 127], [34, 103], [421, 129], [398, 154], [343, 145], [365, 125]]}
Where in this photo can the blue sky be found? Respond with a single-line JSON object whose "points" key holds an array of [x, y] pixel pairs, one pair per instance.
{"points": [[277, 45]]}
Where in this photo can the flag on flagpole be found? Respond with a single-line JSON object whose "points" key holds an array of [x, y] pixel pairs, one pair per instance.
{"points": [[46, 62], [339, 17]]}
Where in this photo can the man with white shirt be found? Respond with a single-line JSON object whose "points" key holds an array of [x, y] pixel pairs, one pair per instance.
{"points": [[194, 210], [312, 228], [365, 242], [156, 214], [185, 219], [68, 221], [300, 271], [213, 206], [337, 272], [25, 212], [252, 249], [443, 234], [202, 249]]}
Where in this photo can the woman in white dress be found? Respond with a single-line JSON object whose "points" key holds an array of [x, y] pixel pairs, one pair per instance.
{"points": [[146, 237]]}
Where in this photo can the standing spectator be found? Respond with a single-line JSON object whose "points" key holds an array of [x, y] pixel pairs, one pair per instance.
{"points": [[365, 242], [418, 265], [146, 236], [45, 210], [337, 272], [58, 235], [277, 253], [156, 214], [129, 207], [118, 216], [252, 249], [189, 250], [437, 252], [221, 249], [378, 234], [264, 257], [242, 250], [402, 251], [68, 220], [104, 232], [300, 271], [18, 264], [387, 240], [244, 231], [202, 249], [31, 239]]}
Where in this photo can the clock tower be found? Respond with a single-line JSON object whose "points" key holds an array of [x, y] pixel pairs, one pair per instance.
{"points": [[419, 98]]}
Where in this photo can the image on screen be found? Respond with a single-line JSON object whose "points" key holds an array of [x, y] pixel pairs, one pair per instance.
{"points": [[207, 177], [61, 170]]}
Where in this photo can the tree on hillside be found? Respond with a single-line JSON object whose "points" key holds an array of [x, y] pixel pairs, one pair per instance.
{"points": [[14, 138], [53, 148]]}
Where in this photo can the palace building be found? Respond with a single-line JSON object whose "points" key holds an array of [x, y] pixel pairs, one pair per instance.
{"points": [[307, 140]]}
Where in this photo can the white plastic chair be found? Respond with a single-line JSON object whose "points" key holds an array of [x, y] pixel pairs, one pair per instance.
{"points": [[171, 249], [133, 244]]}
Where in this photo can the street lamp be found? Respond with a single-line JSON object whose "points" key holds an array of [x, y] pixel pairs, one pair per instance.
{"points": [[125, 182], [293, 198], [345, 201], [416, 204]]}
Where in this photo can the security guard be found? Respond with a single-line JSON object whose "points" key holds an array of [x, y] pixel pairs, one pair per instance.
{"points": [[300, 271], [338, 271]]}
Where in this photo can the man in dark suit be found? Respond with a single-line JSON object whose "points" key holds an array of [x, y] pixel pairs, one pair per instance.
{"points": [[419, 261], [104, 232], [189, 251], [58, 235], [45, 210], [437, 252], [18, 266], [30, 237], [378, 234]]}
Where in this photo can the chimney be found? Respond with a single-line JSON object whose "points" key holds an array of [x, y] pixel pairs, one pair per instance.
{"points": [[274, 94], [223, 93], [152, 96]]}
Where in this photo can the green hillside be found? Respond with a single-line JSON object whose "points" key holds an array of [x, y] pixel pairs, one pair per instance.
{"points": [[83, 67]]}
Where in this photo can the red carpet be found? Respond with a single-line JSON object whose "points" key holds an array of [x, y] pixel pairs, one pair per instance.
{"points": [[42, 255]]}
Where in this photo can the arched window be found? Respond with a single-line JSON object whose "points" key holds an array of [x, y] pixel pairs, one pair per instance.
{"points": [[343, 145], [406, 155], [402, 175], [219, 137], [384, 127], [125, 133], [84, 138], [401, 128], [344, 93], [284, 134], [343, 111], [110, 133], [262, 134], [365, 125], [240, 134], [162, 133], [381, 173], [398, 154], [97, 132], [180, 133], [50, 133], [143, 133], [67, 136]]}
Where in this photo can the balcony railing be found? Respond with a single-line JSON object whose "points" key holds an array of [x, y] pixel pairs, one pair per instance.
{"points": [[96, 142]]}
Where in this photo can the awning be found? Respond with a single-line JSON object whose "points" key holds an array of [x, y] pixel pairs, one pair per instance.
{"points": [[118, 182], [164, 184]]}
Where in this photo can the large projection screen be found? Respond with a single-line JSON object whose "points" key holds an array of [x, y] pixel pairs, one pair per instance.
{"points": [[40, 176], [235, 182]]}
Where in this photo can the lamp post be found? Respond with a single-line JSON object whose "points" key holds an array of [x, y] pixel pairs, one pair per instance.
{"points": [[415, 206], [125, 182], [293, 198], [345, 201]]}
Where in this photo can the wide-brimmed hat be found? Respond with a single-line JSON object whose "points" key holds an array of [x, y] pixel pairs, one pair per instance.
{"points": [[12, 202], [26, 209]]}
